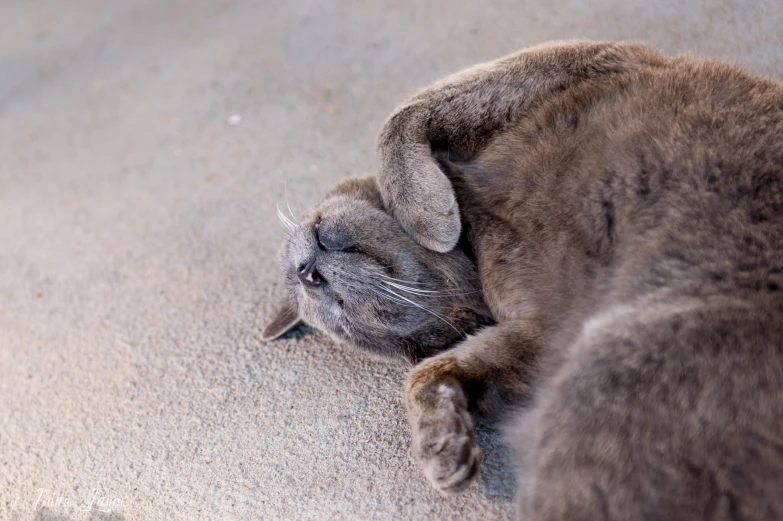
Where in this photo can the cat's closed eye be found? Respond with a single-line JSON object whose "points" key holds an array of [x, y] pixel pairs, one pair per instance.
{"points": [[329, 240]]}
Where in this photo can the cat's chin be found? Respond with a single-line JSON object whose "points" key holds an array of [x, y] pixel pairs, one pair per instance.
{"points": [[389, 349]]}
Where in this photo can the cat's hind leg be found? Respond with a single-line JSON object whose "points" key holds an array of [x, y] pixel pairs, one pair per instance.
{"points": [[670, 411]]}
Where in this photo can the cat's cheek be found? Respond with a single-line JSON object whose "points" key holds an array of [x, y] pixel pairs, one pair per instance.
{"points": [[307, 308], [335, 312], [324, 314]]}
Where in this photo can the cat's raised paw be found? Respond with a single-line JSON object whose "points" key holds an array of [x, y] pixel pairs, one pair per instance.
{"points": [[424, 203]]}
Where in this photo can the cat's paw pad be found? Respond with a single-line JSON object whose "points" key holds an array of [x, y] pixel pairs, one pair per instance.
{"points": [[447, 452]]}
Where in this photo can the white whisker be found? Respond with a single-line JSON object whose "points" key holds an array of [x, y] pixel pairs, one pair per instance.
{"points": [[424, 309], [400, 281], [402, 285], [388, 297], [285, 220], [428, 292], [408, 289]]}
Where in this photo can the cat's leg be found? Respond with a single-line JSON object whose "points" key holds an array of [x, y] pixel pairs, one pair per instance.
{"points": [[463, 111], [671, 411], [485, 376]]}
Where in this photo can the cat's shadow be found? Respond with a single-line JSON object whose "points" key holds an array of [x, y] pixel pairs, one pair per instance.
{"points": [[497, 478], [299, 331]]}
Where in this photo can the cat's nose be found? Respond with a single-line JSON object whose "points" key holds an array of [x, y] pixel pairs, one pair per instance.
{"points": [[308, 275]]}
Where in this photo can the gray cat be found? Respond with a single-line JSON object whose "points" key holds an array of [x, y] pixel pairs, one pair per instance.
{"points": [[625, 212]]}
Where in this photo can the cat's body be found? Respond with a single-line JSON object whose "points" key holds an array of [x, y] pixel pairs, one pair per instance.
{"points": [[626, 215], [647, 236]]}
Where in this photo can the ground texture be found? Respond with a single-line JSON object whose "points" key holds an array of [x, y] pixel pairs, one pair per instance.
{"points": [[143, 146]]}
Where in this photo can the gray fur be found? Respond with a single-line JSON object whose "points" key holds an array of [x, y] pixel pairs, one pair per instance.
{"points": [[381, 291], [626, 213]]}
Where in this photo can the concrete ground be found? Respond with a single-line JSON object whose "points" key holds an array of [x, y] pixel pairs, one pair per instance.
{"points": [[138, 243]]}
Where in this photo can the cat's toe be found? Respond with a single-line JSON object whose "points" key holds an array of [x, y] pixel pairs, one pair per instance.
{"points": [[453, 469], [448, 454]]}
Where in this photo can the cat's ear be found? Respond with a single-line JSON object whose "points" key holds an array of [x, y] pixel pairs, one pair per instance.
{"points": [[284, 319]]}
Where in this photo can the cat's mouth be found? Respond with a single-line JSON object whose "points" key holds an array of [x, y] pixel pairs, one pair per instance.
{"points": [[315, 284]]}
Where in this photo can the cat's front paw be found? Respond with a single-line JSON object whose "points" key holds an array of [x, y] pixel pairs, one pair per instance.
{"points": [[422, 199], [445, 448]]}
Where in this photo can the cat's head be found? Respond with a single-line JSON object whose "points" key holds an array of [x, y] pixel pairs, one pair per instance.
{"points": [[351, 270]]}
